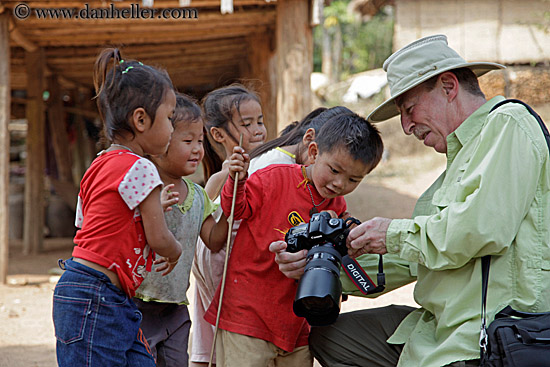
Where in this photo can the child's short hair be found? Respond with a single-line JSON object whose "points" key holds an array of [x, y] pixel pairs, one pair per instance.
{"points": [[294, 132], [122, 86], [353, 133], [187, 109]]}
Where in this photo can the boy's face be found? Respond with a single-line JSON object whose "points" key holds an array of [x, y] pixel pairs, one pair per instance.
{"points": [[336, 172]]}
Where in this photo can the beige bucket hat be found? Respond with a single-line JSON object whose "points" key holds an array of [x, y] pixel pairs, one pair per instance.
{"points": [[418, 62]]}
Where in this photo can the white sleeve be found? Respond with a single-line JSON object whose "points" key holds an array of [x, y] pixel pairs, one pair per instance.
{"points": [[139, 181], [79, 216]]}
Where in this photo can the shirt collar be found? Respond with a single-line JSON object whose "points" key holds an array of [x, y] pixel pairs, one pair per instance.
{"points": [[470, 128]]}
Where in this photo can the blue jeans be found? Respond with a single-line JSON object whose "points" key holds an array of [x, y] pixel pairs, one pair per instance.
{"points": [[96, 324]]}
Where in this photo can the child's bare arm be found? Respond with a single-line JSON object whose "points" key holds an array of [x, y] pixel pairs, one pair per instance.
{"points": [[215, 183], [158, 235], [214, 234]]}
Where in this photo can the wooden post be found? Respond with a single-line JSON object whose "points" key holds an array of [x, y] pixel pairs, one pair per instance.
{"points": [[58, 131], [33, 230], [260, 62], [294, 61], [5, 95]]}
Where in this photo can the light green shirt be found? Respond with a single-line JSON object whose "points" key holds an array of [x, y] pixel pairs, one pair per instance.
{"points": [[493, 199], [185, 223]]}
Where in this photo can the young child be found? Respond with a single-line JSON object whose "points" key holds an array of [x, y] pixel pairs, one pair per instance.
{"points": [[229, 112], [291, 146], [258, 326], [121, 220], [162, 300]]}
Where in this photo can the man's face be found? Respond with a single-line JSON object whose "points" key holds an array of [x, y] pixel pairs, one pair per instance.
{"points": [[424, 114]]}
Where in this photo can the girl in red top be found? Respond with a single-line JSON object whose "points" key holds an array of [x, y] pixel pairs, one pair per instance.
{"points": [[121, 221], [258, 326]]}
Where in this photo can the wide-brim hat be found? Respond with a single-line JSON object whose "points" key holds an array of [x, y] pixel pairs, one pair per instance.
{"points": [[417, 62]]}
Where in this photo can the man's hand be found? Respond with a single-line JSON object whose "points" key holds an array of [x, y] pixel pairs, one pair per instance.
{"points": [[369, 237], [291, 264]]}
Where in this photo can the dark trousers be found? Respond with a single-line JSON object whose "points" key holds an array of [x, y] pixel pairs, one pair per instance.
{"points": [[359, 339]]}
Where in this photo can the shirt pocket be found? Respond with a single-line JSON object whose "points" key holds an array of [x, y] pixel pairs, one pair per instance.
{"points": [[449, 190]]}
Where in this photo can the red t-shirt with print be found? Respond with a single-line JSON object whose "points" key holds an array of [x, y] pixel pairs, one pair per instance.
{"points": [[111, 231], [258, 298]]}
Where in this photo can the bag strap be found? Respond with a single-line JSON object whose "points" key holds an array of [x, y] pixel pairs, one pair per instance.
{"points": [[532, 112], [483, 338], [486, 260]]}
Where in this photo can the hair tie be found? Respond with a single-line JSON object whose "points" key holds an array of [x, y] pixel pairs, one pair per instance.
{"points": [[127, 69]]}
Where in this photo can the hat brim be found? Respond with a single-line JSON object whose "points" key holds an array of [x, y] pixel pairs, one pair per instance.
{"points": [[388, 109]]}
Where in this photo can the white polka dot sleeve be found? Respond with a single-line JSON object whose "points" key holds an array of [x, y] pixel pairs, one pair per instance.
{"points": [[79, 216], [139, 181]]}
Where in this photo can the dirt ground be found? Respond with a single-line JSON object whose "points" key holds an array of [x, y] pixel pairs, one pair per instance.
{"points": [[27, 338]]}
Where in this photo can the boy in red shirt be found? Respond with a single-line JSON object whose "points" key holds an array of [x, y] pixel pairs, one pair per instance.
{"points": [[258, 326]]}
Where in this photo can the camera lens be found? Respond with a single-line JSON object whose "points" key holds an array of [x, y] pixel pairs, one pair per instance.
{"points": [[319, 290]]}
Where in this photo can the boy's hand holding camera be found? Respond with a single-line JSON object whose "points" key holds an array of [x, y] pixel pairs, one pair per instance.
{"points": [[238, 163]]}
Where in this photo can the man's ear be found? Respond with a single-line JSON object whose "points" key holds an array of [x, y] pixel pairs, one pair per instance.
{"points": [[217, 134], [450, 85], [140, 119], [308, 137], [312, 152]]}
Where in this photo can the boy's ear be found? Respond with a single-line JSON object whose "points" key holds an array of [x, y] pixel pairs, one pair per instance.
{"points": [[140, 119], [217, 134], [308, 137], [312, 152]]}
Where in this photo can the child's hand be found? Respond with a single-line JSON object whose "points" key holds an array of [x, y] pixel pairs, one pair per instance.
{"points": [[292, 265], [238, 163], [166, 265], [168, 198]]}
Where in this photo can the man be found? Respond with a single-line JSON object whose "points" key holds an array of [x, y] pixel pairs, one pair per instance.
{"points": [[493, 199]]}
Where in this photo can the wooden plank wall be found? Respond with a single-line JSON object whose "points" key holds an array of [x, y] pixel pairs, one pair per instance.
{"points": [[504, 31]]}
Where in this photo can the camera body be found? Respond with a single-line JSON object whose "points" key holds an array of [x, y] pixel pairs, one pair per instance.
{"points": [[319, 292], [321, 229]]}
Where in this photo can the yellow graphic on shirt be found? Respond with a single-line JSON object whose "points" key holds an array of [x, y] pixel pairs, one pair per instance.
{"points": [[294, 219]]}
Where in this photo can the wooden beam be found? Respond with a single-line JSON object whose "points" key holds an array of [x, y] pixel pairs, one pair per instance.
{"points": [[58, 131], [20, 39], [5, 144], [258, 68], [33, 229], [294, 61]]}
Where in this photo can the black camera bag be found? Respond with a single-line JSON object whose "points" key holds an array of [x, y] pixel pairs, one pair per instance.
{"points": [[514, 338]]}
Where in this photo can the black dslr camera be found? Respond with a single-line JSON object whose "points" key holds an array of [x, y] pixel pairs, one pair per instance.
{"points": [[319, 290]]}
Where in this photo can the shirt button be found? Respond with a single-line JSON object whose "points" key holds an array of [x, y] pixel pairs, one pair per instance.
{"points": [[396, 248]]}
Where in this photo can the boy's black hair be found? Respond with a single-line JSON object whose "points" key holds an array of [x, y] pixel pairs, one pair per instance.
{"points": [[122, 86], [353, 133], [294, 133], [187, 109]]}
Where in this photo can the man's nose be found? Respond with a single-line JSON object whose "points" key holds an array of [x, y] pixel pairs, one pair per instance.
{"points": [[407, 124]]}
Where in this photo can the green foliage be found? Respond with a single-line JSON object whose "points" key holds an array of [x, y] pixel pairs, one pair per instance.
{"points": [[365, 44]]}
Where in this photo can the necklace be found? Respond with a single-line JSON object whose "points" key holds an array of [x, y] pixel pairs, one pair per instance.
{"points": [[306, 181], [121, 146], [314, 209]]}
